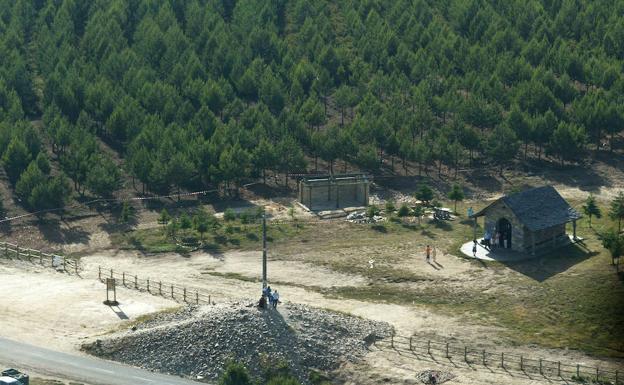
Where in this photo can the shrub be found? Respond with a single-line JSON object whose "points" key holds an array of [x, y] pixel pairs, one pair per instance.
{"points": [[371, 211], [235, 374], [390, 207], [185, 221], [246, 217], [229, 215], [403, 210]]}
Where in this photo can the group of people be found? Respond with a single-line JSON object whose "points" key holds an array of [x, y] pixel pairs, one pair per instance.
{"points": [[271, 296], [430, 254], [490, 241]]}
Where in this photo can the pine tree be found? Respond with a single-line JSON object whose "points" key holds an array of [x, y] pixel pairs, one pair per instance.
{"points": [[616, 211], [591, 208], [456, 194], [424, 194]]}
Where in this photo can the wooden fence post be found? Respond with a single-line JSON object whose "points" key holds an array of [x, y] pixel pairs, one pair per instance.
{"points": [[76, 266], [392, 339], [209, 301], [540, 367], [172, 292], [447, 350], [578, 371], [40, 258], [503, 360], [64, 264], [123, 278], [100, 273], [484, 360], [160, 287], [597, 373], [184, 295], [111, 273], [429, 347], [521, 364], [410, 342], [197, 298], [558, 368], [616, 377], [148, 289], [136, 282]]}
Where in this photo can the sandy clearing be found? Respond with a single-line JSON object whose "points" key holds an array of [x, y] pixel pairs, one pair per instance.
{"points": [[46, 308], [198, 266], [292, 279]]}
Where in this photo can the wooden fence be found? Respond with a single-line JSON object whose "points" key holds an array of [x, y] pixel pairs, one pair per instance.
{"points": [[58, 262], [174, 291], [508, 362]]}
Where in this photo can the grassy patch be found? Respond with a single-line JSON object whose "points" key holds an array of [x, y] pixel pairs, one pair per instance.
{"points": [[232, 235]]}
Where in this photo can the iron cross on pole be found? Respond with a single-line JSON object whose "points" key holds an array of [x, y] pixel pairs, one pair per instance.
{"points": [[264, 252]]}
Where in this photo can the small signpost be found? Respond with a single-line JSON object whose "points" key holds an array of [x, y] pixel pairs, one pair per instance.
{"points": [[111, 287]]}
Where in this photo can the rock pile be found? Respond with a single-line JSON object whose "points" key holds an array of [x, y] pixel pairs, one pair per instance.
{"points": [[433, 377], [360, 217], [199, 342]]}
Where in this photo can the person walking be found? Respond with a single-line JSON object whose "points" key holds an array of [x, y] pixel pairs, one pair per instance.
{"points": [[474, 248], [428, 253], [275, 299]]}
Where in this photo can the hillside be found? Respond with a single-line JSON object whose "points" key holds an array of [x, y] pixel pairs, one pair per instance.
{"points": [[133, 97]]}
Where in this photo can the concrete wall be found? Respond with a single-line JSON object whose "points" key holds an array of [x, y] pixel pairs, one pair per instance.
{"points": [[334, 195]]}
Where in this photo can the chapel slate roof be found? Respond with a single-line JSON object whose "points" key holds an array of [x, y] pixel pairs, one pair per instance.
{"points": [[538, 208]]}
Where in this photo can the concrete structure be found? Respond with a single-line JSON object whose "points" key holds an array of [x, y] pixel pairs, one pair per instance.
{"points": [[530, 221], [328, 192]]}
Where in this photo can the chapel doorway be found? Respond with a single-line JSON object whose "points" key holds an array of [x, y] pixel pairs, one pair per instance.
{"points": [[504, 229]]}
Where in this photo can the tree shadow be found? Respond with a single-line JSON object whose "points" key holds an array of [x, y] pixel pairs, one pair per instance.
{"points": [[443, 225], [552, 263], [380, 228], [427, 233], [485, 181], [53, 232], [580, 176]]}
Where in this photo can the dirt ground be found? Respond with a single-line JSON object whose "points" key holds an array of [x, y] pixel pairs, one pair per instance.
{"points": [[46, 308]]}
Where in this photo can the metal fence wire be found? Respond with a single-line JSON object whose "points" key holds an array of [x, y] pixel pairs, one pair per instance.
{"points": [[183, 294], [507, 361]]}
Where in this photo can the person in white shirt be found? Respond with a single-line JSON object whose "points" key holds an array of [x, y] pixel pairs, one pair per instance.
{"points": [[275, 299]]}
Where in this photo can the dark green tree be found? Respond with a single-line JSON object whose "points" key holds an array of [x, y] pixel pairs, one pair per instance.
{"points": [[16, 158], [591, 209], [456, 195], [616, 210], [424, 194]]}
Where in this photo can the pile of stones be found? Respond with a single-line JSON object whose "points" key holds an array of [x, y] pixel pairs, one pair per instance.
{"points": [[433, 377], [199, 342], [360, 217]]}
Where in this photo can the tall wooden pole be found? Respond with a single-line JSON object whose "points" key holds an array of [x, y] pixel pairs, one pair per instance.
{"points": [[264, 252]]}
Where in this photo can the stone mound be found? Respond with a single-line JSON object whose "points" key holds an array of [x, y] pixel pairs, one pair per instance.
{"points": [[198, 342]]}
